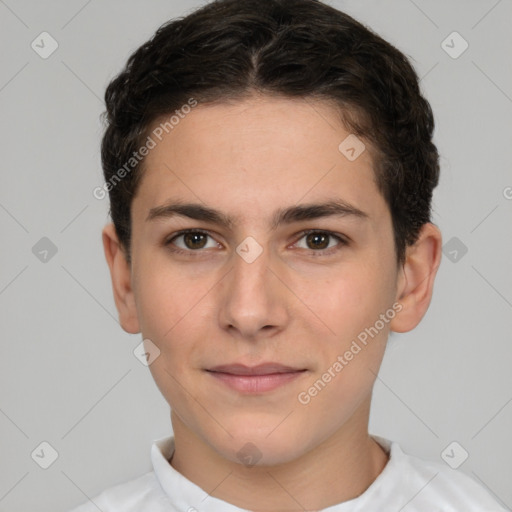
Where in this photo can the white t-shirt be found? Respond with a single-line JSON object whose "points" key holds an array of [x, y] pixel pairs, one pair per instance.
{"points": [[407, 484]]}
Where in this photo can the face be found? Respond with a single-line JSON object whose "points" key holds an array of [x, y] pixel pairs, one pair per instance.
{"points": [[264, 279]]}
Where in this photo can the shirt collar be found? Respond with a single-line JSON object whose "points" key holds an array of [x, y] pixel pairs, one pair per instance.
{"points": [[186, 496], [182, 493]]}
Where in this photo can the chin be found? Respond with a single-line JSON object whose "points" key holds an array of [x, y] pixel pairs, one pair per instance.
{"points": [[262, 446]]}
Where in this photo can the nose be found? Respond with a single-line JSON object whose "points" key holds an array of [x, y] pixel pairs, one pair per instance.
{"points": [[254, 301]]}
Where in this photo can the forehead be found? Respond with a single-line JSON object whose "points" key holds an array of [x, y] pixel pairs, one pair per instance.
{"points": [[258, 154]]}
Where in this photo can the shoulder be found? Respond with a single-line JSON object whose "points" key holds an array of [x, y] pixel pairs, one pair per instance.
{"points": [[434, 486], [140, 494]]}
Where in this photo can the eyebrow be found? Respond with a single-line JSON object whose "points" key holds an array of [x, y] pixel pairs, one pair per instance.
{"points": [[289, 215]]}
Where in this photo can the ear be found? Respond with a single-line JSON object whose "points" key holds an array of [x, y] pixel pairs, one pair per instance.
{"points": [[120, 273], [417, 276]]}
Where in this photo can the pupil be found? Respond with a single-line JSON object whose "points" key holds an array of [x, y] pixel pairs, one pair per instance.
{"points": [[193, 238], [314, 237]]}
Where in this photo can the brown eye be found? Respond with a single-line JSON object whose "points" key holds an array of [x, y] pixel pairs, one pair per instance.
{"points": [[194, 240], [317, 240], [321, 242], [190, 241]]}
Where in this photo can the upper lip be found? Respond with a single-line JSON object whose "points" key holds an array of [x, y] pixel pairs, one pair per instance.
{"points": [[261, 369]]}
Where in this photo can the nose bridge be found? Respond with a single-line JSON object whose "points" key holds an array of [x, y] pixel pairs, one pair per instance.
{"points": [[250, 280], [252, 298]]}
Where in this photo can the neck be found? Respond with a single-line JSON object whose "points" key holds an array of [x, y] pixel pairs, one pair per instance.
{"points": [[339, 469]]}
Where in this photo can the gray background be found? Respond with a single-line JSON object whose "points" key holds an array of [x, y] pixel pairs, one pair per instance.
{"points": [[68, 373]]}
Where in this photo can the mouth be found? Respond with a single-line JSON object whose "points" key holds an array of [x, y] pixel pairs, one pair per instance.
{"points": [[255, 379]]}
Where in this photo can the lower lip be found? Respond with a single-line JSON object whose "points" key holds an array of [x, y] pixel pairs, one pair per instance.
{"points": [[256, 383]]}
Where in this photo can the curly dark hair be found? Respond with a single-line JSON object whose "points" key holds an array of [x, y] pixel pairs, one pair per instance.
{"points": [[230, 49]]}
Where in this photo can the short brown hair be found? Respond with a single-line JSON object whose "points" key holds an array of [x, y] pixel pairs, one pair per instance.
{"points": [[229, 49]]}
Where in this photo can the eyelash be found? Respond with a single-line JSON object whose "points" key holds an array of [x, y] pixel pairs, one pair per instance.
{"points": [[316, 253]]}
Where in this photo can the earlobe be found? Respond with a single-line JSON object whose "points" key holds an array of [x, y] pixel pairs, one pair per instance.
{"points": [[120, 273], [417, 281]]}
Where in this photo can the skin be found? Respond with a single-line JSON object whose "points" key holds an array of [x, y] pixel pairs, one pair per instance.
{"points": [[291, 305]]}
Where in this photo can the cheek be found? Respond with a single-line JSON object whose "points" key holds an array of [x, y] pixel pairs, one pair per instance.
{"points": [[165, 297], [172, 309], [349, 301]]}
